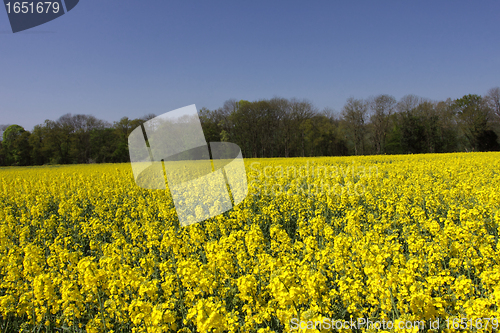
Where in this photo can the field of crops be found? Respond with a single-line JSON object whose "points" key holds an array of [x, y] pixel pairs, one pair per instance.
{"points": [[392, 238]]}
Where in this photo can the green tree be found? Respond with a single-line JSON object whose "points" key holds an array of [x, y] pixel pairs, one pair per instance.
{"points": [[15, 145], [473, 115], [245, 121], [122, 129], [104, 143], [322, 136], [394, 136], [212, 128], [39, 153], [448, 128]]}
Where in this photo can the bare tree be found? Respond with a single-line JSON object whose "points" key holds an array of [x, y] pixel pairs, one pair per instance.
{"points": [[329, 113], [301, 111], [148, 116], [493, 100], [2, 129], [223, 116], [354, 115], [230, 106], [408, 103], [283, 112], [381, 107]]}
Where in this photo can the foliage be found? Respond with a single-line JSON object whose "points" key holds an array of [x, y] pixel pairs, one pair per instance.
{"points": [[473, 115], [15, 145], [281, 127]]}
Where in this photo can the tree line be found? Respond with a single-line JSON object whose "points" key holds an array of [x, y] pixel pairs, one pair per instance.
{"points": [[280, 127]]}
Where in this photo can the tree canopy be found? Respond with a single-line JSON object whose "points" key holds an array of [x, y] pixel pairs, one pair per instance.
{"points": [[280, 127]]}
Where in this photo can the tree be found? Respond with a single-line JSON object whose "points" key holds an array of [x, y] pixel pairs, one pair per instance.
{"points": [[15, 145], [473, 115], [354, 115], [302, 110], [2, 129], [429, 122], [408, 103], [78, 128], [122, 129], [148, 116], [412, 132], [253, 127], [209, 122], [322, 135], [37, 142], [423, 126], [104, 145], [2, 157], [283, 135], [381, 107], [448, 127], [394, 136], [493, 100]]}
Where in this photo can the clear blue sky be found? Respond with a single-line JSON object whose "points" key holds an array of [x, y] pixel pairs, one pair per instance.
{"points": [[129, 58]]}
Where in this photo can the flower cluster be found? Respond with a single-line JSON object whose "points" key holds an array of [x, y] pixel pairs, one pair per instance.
{"points": [[83, 249]]}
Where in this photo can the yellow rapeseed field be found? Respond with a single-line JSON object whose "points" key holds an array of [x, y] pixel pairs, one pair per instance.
{"points": [[393, 239]]}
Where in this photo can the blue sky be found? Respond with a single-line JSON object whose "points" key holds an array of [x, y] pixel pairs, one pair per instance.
{"points": [[129, 58]]}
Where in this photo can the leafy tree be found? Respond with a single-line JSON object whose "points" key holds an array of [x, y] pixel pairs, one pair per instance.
{"points": [[394, 136], [422, 126], [37, 140], [2, 156], [15, 145], [412, 132], [323, 136], [104, 144], [280, 127], [473, 115], [488, 141], [122, 129], [211, 128], [448, 127], [58, 142]]}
